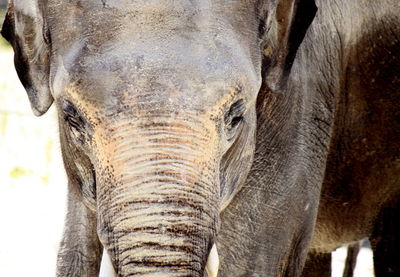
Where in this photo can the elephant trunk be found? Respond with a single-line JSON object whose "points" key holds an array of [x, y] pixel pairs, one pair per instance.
{"points": [[158, 199]]}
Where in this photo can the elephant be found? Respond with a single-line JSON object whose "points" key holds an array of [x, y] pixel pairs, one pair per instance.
{"points": [[238, 138]]}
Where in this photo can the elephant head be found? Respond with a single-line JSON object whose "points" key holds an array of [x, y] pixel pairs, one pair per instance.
{"points": [[156, 105]]}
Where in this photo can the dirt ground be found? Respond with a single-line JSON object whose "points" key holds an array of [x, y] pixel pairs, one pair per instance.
{"points": [[33, 186]]}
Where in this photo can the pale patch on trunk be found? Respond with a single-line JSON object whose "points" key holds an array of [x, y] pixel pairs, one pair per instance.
{"points": [[212, 262]]}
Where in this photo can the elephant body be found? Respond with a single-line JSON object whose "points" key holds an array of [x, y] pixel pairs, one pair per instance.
{"points": [[360, 192], [263, 134], [339, 137]]}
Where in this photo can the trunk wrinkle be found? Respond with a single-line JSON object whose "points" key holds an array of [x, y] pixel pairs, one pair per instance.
{"points": [[161, 198]]}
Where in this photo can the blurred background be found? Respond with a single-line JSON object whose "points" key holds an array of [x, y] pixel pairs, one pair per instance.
{"points": [[33, 184], [32, 180]]}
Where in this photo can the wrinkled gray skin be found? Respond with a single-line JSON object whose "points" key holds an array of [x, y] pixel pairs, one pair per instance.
{"points": [[159, 103]]}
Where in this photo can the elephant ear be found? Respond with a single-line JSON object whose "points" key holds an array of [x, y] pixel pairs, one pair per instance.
{"points": [[288, 28], [25, 28]]}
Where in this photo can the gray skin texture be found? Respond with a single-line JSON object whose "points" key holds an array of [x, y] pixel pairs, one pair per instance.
{"points": [[189, 123], [360, 192]]}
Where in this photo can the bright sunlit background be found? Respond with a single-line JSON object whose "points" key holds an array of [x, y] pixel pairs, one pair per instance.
{"points": [[33, 184], [32, 180]]}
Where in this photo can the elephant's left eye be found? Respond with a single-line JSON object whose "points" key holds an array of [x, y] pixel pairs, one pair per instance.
{"points": [[233, 118]]}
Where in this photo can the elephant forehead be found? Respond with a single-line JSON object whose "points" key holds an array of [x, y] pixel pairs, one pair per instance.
{"points": [[104, 21], [177, 74], [109, 93], [108, 55]]}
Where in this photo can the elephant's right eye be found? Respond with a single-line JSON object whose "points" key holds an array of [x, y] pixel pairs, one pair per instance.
{"points": [[72, 116], [74, 120]]}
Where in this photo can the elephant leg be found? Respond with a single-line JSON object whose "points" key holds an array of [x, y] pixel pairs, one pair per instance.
{"points": [[80, 249], [385, 241], [317, 265], [351, 259]]}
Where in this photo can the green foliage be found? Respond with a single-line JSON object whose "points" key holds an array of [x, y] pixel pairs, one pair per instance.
{"points": [[19, 171], [2, 15], [4, 45]]}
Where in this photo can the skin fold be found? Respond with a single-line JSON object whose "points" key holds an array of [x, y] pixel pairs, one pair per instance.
{"points": [[238, 138]]}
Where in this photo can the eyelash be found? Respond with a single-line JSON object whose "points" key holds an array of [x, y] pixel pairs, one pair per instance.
{"points": [[234, 118], [75, 122]]}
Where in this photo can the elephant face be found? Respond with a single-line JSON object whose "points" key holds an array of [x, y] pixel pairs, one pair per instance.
{"points": [[158, 137], [165, 121], [157, 111]]}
